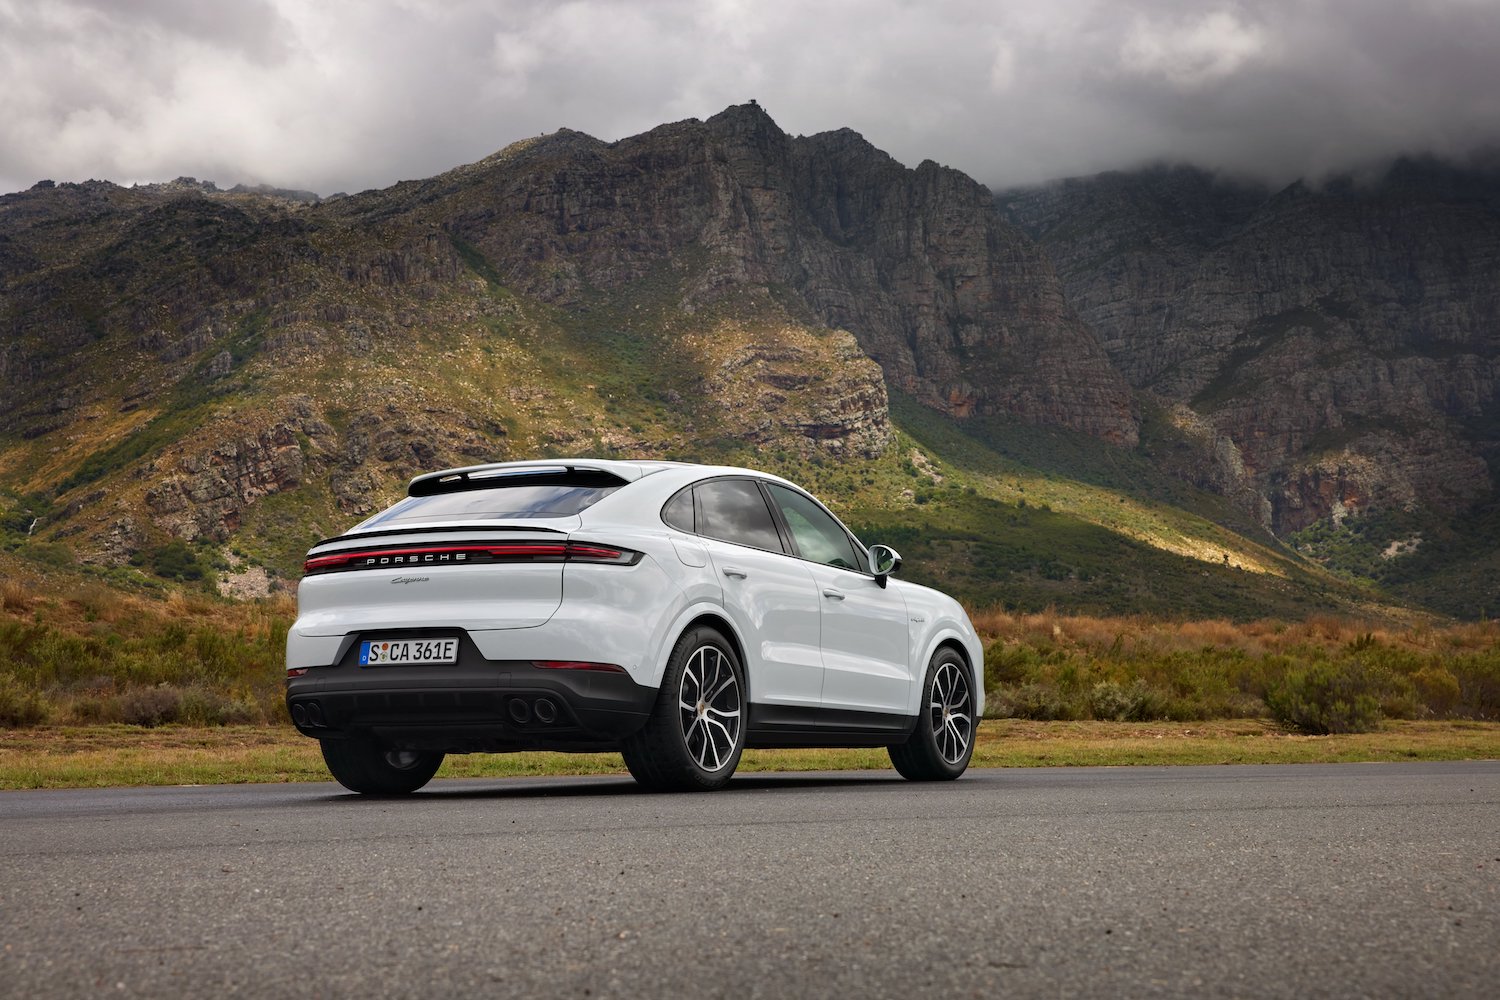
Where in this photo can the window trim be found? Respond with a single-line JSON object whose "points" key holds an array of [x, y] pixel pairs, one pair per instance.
{"points": [[781, 533], [786, 531], [783, 530], [688, 489]]}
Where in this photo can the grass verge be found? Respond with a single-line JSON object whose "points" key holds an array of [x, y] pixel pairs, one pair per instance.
{"points": [[116, 755]]}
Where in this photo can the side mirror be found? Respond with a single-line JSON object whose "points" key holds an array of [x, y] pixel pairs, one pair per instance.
{"points": [[884, 561]]}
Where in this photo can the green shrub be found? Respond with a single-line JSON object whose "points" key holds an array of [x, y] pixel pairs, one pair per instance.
{"points": [[154, 706], [203, 706], [1438, 689], [90, 708], [20, 706], [176, 561], [1327, 698], [1478, 684], [1133, 702], [1011, 663], [1041, 702], [47, 553]]}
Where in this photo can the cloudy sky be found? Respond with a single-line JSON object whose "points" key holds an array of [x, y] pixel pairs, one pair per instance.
{"points": [[342, 95]]}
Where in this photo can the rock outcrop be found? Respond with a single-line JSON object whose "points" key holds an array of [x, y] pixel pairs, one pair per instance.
{"points": [[1346, 340], [959, 308]]}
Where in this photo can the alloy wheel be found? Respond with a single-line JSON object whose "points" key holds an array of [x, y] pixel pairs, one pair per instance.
{"points": [[708, 701], [952, 717]]}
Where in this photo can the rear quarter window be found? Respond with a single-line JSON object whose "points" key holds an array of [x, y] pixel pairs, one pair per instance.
{"points": [[678, 512], [734, 510]]}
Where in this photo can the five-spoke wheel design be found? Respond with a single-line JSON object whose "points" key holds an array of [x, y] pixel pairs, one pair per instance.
{"points": [[708, 700], [943, 741]]}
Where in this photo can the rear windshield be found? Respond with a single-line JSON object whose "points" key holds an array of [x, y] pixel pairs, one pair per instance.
{"points": [[519, 501]]}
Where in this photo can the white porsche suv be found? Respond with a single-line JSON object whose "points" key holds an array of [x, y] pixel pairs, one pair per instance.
{"points": [[676, 613]]}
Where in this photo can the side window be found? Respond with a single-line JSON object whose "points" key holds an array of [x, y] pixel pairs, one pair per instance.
{"points": [[818, 536], [734, 511], [679, 511]]}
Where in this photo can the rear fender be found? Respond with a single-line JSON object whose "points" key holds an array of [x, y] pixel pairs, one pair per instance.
{"points": [[679, 625]]}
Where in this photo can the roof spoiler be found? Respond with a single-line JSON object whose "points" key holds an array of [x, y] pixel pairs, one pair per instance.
{"points": [[498, 476]]}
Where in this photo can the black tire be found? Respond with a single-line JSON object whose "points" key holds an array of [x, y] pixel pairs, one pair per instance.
{"points": [[366, 767], [940, 747], [694, 748]]}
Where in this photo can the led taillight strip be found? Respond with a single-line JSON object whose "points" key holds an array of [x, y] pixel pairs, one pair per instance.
{"points": [[449, 555]]}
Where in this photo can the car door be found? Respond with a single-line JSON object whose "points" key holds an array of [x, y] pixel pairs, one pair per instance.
{"points": [[770, 596], [865, 637]]}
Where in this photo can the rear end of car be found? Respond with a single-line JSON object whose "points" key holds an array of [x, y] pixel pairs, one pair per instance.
{"points": [[478, 614]]}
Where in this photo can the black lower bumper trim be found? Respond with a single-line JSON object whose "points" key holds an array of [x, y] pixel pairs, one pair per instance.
{"points": [[475, 705]]}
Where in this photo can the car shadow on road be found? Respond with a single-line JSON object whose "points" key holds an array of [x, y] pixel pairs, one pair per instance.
{"points": [[609, 786]]}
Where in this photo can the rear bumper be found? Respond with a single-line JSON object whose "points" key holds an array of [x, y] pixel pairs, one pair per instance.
{"points": [[475, 705]]}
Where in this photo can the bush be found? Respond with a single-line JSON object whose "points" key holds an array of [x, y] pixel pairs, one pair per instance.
{"points": [[1033, 701], [18, 706], [154, 706], [1478, 684], [1327, 698], [203, 706], [14, 596], [176, 561], [1134, 702], [1438, 689]]}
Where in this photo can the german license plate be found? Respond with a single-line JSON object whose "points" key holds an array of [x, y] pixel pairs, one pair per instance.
{"points": [[396, 652]]}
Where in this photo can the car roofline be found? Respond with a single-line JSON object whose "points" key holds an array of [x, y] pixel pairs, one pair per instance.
{"points": [[627, 470]]}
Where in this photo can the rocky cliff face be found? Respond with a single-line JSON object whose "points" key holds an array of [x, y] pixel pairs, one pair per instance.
{"points": [[955, 304], [175, 358], [179, 361], [1343, 343]]}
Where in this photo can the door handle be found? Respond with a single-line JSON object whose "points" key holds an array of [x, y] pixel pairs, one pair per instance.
{"points": [[837, 595], [735, 571]]}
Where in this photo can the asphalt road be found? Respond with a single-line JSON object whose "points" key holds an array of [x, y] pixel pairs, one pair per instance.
{"points": [[1347, 880]]}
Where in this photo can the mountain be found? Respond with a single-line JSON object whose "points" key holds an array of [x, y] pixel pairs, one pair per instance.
{"points": [[202, 382], [727, 256], [1334, 352], [959, 309]]}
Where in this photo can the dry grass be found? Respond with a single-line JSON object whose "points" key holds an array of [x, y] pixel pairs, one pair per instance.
{"points": [[79, 651], [87, 652], [15, 596], [1257, 638]]}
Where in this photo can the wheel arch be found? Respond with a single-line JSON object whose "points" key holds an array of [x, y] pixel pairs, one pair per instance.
{"points": [[957, 647], [968, 650], [714, 618]]}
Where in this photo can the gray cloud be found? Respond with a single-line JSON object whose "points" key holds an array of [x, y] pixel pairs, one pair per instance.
{"points": [[349, 94]]}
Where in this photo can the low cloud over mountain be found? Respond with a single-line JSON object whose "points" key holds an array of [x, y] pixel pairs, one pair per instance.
{"points": [[349, 95]]}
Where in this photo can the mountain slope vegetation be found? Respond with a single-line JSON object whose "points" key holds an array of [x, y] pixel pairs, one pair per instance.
{"points": [[196, 384]]}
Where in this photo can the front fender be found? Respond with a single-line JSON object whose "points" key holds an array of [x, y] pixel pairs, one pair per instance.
{"points": [[950, 630]]}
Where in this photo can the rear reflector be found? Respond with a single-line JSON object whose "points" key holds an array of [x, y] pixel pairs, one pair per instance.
{"points": [[612, 668], [455, 555]]}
